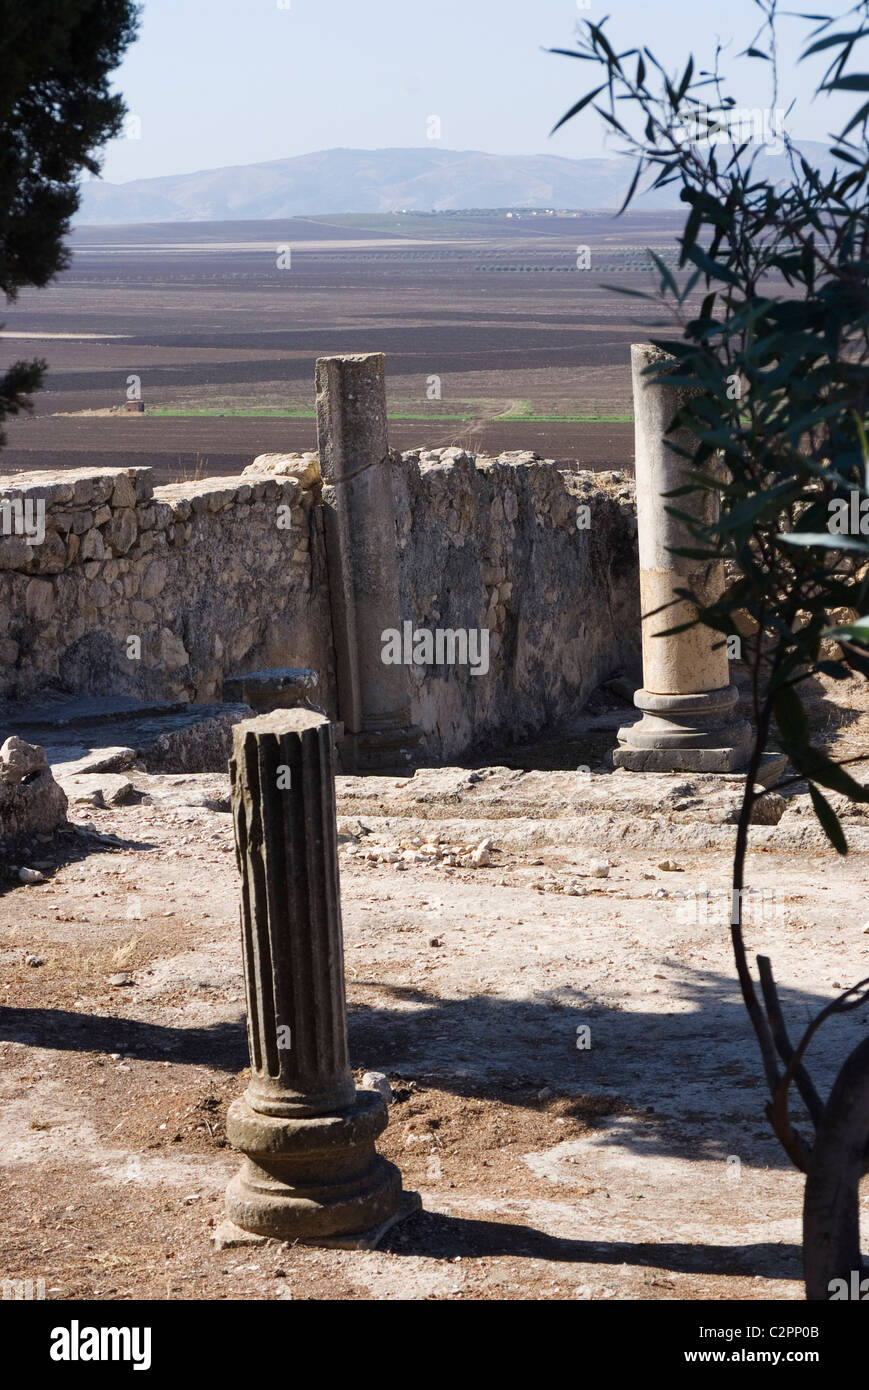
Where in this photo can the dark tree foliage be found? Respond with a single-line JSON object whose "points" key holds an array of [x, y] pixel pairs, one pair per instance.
{"points": [[776, 354], [56, 111]]}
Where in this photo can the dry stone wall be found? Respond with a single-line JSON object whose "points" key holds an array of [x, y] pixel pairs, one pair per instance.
{"points": [[162, 592], [156, 592], [543, 561]]}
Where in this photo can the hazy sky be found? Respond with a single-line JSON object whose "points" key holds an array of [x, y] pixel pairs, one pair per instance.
{"points": [[215, 82]]}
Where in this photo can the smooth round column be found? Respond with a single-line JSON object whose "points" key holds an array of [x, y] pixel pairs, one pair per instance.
{"points": [[687, 699]]}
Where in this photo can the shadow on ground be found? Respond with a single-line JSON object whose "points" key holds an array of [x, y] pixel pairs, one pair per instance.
{"points": [[222, 1046], [432, 1235], [667, 1075]]}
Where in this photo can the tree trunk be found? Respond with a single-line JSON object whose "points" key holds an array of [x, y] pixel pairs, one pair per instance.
{"points": [[831, 1211]]}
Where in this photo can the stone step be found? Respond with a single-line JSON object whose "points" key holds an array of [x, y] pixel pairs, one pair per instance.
{"points": [[63, 711], [82, 737], [282, 687]]}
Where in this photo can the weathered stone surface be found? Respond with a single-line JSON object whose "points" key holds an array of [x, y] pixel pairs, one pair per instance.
{"points": [[442, 808], [124, 492], [18, 759], [768, 809], [200, 742], [122, 530], [689, 721], [359, 521], [75, 759], [558, 597], [305, 468], [39, 600], [310, 1170], [93, 546], [672, 759], [129, 565], [51, 556], [96, 788], [268, 690], [172, 654], [154, 579], [31, 802], [15, 553], [90, 736], [478, 543]]}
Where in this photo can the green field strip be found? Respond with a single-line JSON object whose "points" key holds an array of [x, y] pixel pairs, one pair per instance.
{"points": [[397, 415], [283, 415]]}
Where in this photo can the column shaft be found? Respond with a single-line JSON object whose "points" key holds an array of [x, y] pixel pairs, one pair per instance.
{"points": [[359, 515], [687, 662], [689, 703], [284, 808], [311, 1171]]}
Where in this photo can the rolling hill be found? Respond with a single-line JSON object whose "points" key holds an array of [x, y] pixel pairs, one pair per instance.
{"points": [[356, 181]]}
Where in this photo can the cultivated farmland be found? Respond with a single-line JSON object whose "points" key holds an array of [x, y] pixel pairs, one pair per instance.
{"points": [[495, 338]]}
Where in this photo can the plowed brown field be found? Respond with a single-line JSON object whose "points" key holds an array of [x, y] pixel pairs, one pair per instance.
{"points": [[494, 307]]}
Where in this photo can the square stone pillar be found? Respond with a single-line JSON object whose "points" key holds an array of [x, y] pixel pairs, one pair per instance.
{"points": [[689, 721], [362, 554]]}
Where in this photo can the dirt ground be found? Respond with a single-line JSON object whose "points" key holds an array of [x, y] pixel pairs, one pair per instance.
{"points": [[631, 1161]]}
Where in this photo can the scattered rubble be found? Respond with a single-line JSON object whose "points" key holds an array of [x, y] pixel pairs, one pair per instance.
{"points": [[437, 854], [377, 1081], [31, 802]]}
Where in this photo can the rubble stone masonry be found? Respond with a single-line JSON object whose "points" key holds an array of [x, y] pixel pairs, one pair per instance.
{"points": [[162, 592]]}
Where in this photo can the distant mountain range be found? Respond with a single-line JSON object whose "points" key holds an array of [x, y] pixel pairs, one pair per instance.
{"points": [[355, 181]]}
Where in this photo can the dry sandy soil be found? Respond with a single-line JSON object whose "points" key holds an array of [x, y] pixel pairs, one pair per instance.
{"points": [[639, 1167]]}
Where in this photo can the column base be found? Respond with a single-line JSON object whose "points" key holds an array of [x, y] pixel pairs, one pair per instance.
{"points": [[317, 1179], [228, 1236], [685, 733]]}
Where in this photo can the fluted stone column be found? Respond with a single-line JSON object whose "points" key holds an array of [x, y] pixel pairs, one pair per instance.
{"points": [[311, 1171], [362, 551], [687, 699]]}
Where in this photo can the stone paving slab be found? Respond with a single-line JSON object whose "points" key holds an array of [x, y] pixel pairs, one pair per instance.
{"points": [[110, 736]]}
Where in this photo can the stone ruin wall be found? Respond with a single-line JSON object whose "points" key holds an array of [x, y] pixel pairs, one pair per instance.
{"points": [[200, 572], [494, 543], [221, 576]]}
